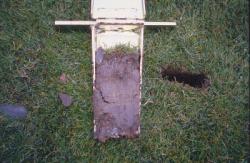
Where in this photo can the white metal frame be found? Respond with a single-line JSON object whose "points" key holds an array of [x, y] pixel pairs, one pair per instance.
{"points": [[113, 21], [94, 24]]}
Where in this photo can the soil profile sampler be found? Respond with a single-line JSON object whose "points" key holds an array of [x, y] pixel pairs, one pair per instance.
{"points": [[117, 29]]}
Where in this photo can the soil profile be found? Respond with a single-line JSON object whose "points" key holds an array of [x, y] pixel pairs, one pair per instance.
{"points": [[116, 96]]}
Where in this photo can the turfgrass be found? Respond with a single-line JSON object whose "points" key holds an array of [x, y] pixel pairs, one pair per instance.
{"points": [[178, 124]]}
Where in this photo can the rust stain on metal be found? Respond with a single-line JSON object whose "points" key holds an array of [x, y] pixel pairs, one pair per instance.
{"points": [[116, 96]]}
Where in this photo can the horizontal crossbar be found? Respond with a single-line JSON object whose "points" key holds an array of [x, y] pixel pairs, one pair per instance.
{"points": [[82, 23]]}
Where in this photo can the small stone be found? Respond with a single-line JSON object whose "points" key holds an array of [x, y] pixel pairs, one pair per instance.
{"points": [[64, 78], [13, 111], [66, 99]]}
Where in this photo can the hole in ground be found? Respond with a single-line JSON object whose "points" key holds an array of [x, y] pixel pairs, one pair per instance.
{"points": [[196, 80]]}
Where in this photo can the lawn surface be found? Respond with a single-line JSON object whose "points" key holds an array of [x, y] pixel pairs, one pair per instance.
{"points": [[178, 123]]}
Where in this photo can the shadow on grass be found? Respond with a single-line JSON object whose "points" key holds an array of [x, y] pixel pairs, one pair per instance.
{"points": [[72, 28]]}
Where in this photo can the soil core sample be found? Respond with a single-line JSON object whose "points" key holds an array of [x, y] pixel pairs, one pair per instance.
{"points": [[116, 96]]}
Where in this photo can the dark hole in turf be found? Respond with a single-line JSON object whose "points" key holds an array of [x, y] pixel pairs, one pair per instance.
{"points": [[196, 80]]}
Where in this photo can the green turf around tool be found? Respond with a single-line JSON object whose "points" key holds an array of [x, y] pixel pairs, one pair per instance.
{"points": [[178, 123]]}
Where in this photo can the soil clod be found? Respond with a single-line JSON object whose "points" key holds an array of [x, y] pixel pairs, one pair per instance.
{"points": [[13, 111], [65, 99]]}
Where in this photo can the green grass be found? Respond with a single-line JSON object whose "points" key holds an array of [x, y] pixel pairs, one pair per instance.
{"points": [[122, 49], [178, 123]]}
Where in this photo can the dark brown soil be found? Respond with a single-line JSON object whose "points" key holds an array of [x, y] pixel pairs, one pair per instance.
{"points": [[116, 96], [196, 80]]}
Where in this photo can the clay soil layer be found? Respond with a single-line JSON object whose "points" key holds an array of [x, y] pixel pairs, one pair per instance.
{"points": [[116, 96]]}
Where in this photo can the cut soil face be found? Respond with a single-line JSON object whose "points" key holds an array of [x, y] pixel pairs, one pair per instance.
{"points": [[196, 80], [116, 96]]}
